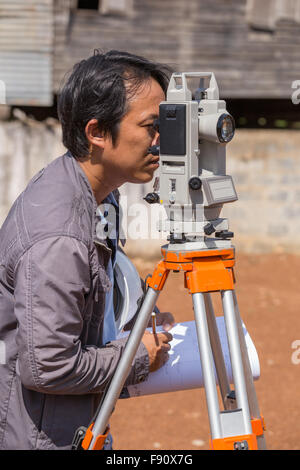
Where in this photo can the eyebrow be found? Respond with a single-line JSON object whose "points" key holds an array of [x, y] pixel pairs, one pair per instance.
{"points": [[151, 116]]}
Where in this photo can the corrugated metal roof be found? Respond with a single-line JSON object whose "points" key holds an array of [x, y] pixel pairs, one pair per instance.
{"points": [[26, 49]]}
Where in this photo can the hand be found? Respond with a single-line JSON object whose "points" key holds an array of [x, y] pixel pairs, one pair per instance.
{"points": [[157, 347], [165, 319]]}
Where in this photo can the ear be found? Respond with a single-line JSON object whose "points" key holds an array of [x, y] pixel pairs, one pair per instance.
{"points": [[93, 134]]}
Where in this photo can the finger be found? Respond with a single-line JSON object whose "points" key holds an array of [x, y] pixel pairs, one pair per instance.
{"points": [[165, 347], [166, 336], [167, 326], [168, 318], [165, 319]]}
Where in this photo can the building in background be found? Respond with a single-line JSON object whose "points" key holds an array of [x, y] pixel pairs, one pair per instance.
{"points": [[252, 46]]}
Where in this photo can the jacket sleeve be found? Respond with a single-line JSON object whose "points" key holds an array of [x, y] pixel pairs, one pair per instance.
{"points": [[52, 282], [129, 325]]}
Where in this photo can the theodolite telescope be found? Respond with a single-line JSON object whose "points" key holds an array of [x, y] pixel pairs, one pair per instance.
{"points": [[193, 186]]}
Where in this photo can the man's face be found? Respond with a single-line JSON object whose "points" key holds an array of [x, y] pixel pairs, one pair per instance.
{"points": [[129, 160]]}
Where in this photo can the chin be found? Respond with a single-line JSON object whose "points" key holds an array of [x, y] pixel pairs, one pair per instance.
{"points": [[142, 178]]}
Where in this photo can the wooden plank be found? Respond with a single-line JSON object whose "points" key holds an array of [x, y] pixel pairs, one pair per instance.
{"points": [[11, 4], [30, 20]]}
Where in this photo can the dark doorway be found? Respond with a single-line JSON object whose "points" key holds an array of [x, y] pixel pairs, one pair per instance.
{"points": [[88, 4]]}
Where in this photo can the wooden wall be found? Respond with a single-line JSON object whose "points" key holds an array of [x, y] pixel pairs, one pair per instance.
{"points": [[26, 51], [253, 55], [193, 35]]}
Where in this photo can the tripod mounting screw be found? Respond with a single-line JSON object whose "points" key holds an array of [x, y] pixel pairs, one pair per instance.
{"points": [[195, 183]]}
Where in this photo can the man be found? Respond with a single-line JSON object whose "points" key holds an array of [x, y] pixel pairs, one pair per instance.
{"points": [[55, 274]]}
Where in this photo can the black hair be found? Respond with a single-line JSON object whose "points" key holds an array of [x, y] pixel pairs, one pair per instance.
{"points": [[96, 89]]}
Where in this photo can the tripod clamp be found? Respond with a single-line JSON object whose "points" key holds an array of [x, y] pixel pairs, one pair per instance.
{"points": [[84, 436]]}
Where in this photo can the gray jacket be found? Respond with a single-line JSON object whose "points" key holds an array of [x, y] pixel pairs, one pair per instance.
{"points": [[53, 282]]}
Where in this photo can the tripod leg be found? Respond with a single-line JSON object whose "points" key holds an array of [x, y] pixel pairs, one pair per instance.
{"points": [[236, 359], [207, 365], [252, 397], [115, 387], [218, 354]]}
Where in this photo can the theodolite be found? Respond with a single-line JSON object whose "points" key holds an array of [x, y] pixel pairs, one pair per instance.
{"points": [[193, 186]]}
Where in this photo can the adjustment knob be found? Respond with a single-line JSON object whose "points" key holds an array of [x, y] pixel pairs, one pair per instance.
{"points": [[195, 183], [209, 229], [224, 234]]}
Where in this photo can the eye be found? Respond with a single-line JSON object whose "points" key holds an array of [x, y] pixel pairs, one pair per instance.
{"points": [[150, 129]]}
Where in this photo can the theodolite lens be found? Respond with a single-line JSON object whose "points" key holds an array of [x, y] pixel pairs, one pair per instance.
{"points": [[225, 128]]}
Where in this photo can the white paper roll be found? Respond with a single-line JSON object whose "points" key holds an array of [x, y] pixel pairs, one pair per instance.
{"points": [[183, 369]]}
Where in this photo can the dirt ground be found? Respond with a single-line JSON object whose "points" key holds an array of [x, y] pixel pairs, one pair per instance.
{"points": [[269, 297]]}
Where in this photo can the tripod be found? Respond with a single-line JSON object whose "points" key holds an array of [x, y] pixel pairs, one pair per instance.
{"points": [[239, 426]]}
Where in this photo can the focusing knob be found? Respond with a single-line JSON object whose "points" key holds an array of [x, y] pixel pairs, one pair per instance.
{"points": [[195, 183], [152, 198]]}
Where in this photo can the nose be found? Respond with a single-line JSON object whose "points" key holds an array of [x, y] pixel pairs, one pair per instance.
{"points": [[156, 139]]}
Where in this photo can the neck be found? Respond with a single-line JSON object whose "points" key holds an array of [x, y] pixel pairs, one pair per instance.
{"points": [[101, 184]]}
